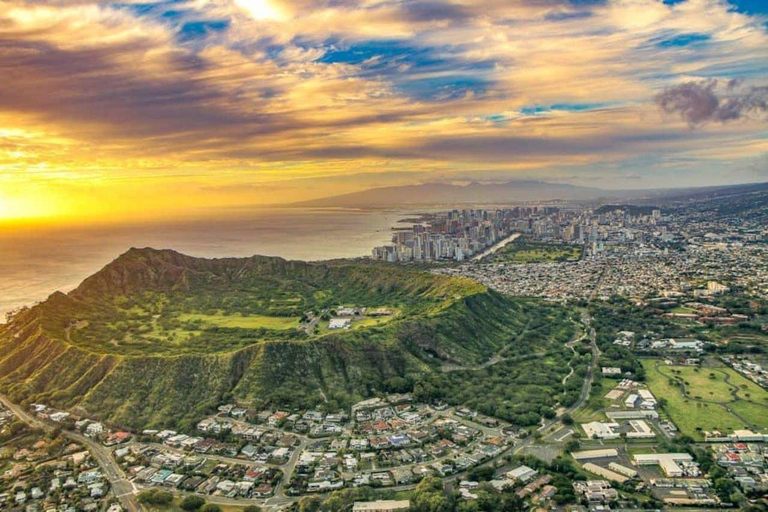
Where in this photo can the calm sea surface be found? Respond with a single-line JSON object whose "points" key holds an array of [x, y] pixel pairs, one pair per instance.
{"points": [[36, 262]]}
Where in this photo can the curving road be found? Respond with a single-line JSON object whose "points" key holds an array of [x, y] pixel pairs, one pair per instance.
{"points": [[123, 489]]}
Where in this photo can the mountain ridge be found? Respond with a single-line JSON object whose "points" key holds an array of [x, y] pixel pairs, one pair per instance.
{"points": [[445, 193], [511, 192], [118, 346]]}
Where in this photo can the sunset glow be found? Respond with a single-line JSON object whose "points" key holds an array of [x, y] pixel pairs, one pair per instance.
{"points": [[142, 109]]}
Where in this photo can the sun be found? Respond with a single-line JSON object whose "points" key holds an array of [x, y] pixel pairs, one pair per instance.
{"points": [[15, 208], [262, 9], [5, 209]]}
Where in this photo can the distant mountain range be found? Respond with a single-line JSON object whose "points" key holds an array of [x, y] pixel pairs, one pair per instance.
{"points": [[509, 192], [446, 193]]}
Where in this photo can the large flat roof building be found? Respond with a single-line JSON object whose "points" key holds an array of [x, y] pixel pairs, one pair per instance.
{"points": [[610, 475], [597, 429], [667, 461], [595, 454], [631, 415]]}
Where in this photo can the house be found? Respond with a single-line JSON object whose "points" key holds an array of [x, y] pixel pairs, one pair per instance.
{"points": [[250, 451], [58, 417], [402, 476], [522, 474], [225, 486], [243, 488], [253, 475], [206, 425], [89, 477], [281, 453], [262, 491], [96, 490], [173, 480], [325, 486], [547, 492], [94, 430]]}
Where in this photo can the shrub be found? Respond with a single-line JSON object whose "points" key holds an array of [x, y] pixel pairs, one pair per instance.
{"points": [[192, 503], [155, 497]]}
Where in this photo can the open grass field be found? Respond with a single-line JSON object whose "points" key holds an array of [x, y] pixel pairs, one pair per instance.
{"points": [[275, 323], [371, 321], [529, 252], [175, 506], [716, 398]]}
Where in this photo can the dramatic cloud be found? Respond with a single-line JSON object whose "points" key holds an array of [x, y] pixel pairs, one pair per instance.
{"points": [[240, 93], [700, 102]]}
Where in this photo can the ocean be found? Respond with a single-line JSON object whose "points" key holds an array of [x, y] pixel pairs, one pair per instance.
{"points": [[38, 261]]}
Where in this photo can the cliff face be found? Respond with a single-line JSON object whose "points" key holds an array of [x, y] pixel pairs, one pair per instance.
{"points": [[46, 356]]}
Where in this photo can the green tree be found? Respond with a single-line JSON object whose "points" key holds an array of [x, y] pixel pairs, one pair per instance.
{"points": [[429, 497], [310, 504], [155, 497], [192, 503]]}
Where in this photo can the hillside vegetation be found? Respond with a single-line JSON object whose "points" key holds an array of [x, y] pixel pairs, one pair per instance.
{"points": [[158, 338]]}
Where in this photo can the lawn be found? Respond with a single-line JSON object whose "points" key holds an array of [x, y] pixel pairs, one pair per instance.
{"points": [[371, 321], [174, 506], [709, 404], [527, 252], [752, 412], [703, 383], [275, 323], [682, 310], [594, 409], [746, 388]]}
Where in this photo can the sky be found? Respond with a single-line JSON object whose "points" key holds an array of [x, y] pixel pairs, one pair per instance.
{"points": [[143, 110]]}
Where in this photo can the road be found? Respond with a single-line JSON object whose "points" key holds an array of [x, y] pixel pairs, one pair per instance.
{"points": [[577, 337], [497, 358], [606, 271], [126, 491], [123, 489], [562, 433], [587, 387], [496, 247]]}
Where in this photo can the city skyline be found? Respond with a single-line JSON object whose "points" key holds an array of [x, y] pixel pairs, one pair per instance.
{"points": [[149, 110]]}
